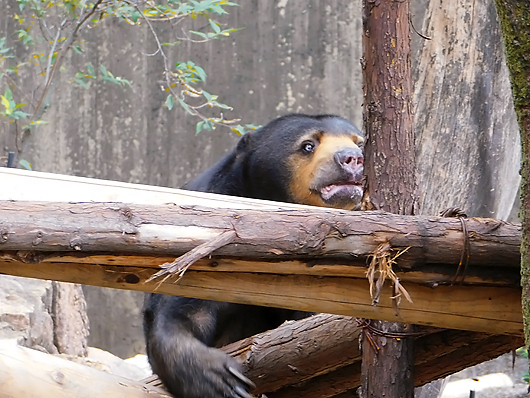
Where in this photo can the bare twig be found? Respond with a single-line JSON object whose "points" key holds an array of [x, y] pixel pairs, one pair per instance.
{"points": [[414, 29], [39, 109], [54, 46], [44, 30], [159, 45]]}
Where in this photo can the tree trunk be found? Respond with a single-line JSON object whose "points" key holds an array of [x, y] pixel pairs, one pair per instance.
{"points": [[388, 368], [515, 23], [389, 153]]}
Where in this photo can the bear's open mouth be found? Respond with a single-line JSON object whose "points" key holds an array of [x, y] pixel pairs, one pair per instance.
{"points": [[351, 190]]}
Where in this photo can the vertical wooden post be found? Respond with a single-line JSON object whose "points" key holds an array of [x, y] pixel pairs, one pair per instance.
{"points": [[387, 371], [390, 159], [514, 16]]}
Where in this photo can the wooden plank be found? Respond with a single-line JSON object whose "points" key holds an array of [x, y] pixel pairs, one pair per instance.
{"points": [[24, 185], [485, 309], [431, 276]]}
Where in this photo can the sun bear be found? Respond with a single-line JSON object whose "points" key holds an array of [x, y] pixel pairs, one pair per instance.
{"points": [[312, 160]]}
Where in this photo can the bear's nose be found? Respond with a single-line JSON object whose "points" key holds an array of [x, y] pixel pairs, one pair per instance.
{"points": [[349, 157]]}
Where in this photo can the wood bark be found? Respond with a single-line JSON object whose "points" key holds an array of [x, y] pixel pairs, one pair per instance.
{"points": [[305, 233], [388, 368], [390, 164], [28, 373], [319, 357], [515, 23], [469, 349], [49, 241]]}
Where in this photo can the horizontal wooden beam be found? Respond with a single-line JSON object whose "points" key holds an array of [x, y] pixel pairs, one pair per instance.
{"points": [[428, 276], [306, 233], [478, 308]]}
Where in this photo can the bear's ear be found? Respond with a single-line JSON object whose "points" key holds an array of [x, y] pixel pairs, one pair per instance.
{"points": [[245, 143]]}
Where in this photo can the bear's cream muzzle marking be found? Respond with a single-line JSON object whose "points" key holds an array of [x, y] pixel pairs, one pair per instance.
{"points": [[332, 176]]}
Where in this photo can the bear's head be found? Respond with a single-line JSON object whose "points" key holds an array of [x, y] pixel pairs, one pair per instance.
{"points": [[312, 160]]}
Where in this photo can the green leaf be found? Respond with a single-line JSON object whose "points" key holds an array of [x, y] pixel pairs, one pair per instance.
{"points": [[135, 15], [207, 95], [77, 48], [24, 163], [215, 26], [252, 126], [199, 127], [170, 101], [203, 35], [239, 130], [18, 114], [37, 122], [82, 83], [223, 106], [201, 73], [8, 94], [208, 125], [90, 69]]}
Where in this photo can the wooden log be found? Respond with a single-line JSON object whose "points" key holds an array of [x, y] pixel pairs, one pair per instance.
{"points": [[46, 229], [264, 234], [319, 356], [28, 373], [298, 351], [347, 378]]}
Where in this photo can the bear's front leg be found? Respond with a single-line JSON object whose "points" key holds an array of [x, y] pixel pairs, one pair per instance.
{"points": [[176, 333]]}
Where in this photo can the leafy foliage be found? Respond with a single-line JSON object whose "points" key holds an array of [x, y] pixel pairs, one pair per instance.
{"points": [[11, 108], [48, 29]]}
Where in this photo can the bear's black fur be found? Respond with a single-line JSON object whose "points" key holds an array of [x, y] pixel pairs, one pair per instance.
{"points": [[314, 160]]}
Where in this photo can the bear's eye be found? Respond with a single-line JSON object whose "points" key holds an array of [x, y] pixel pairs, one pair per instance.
{"points": [[308, 147]]}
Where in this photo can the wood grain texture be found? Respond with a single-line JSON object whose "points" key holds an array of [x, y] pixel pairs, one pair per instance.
{"points": [[29, 373], [478, 308]]}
